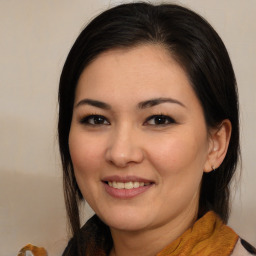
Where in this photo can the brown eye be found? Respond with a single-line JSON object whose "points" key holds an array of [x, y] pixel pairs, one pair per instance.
{"points": [[94, 120], [159, 120]]}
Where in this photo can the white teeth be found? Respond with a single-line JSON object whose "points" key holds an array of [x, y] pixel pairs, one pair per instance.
{"points": [[127, 185], [120, 185], [136, 184]]}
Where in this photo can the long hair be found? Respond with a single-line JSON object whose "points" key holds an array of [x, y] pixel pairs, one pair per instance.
{"points": [[195, 45]]}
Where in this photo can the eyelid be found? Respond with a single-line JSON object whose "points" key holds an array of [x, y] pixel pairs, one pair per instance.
{"points": [[167, 117], [85, 120]]}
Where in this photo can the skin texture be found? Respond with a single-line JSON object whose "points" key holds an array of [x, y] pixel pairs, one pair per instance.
{"points": [[172, 154]]}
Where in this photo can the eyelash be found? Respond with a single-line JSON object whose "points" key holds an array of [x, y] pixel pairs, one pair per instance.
{"points": [[86, 120], [167, 120], [163, 120]]}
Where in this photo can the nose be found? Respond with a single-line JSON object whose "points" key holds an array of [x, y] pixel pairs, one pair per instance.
{"points": [[124, 148]]}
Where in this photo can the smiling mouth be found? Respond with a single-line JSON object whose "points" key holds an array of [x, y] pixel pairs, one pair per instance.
{"points": [[127, 185]]}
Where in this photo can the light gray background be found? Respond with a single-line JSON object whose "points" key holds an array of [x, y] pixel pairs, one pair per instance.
{"points": [[35, 37]]}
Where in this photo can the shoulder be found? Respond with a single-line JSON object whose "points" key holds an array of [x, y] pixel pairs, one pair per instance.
{"points": [[243, 248]]}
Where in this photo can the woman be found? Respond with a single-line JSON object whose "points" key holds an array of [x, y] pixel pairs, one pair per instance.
{"points": [[149, 135]]}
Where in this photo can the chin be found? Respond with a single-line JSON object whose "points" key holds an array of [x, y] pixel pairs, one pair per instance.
{"points": [[126, 222], [127, 226]]}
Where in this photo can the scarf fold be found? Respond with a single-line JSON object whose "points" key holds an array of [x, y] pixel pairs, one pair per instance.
{"points": [[209, 236]]}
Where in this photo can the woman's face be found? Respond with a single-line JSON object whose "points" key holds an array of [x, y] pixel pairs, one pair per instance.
{"points": [[138, 139]]}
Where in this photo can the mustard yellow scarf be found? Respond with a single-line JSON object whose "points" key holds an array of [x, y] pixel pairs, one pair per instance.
{"points": [[209, 236]]}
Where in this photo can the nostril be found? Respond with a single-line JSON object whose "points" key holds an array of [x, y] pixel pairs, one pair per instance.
{"points": [[123, 159]]}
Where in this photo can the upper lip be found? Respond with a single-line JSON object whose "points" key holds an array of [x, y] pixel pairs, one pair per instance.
{"points": [[126, 179]]}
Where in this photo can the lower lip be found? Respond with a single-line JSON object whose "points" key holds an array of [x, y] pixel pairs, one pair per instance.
{"points": [[126, 193]]}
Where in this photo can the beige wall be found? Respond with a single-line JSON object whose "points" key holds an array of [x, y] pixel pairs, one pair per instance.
{"points": [[35, 37]]}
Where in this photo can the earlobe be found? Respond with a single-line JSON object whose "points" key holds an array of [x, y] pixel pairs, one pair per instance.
{"points": [[219, 142]]}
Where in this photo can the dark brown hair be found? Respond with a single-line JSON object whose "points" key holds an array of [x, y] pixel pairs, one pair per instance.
{"points": [[196, 46]]}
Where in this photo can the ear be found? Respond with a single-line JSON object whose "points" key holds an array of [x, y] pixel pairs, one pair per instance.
{"points": [[218, 145]]}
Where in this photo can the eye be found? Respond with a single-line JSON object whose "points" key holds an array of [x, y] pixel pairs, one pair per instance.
{"points": [[94, 120], [159, 120]]}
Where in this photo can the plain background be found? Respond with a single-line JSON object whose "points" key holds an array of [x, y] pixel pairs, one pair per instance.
{"points": [[35, 37]]}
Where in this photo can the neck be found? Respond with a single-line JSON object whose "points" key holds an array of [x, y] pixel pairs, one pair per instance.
{"points": [[151, 241]]}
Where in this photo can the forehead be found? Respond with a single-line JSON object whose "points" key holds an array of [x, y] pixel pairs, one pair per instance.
{"points": [[142, 71]]}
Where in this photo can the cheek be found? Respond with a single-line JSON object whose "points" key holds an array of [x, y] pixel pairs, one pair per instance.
{"points": [[179, 154], [85, 154]]}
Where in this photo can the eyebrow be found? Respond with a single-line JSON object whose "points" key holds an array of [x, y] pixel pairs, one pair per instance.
{"points": [[95, 103], [157, 101], [141, 105]]}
